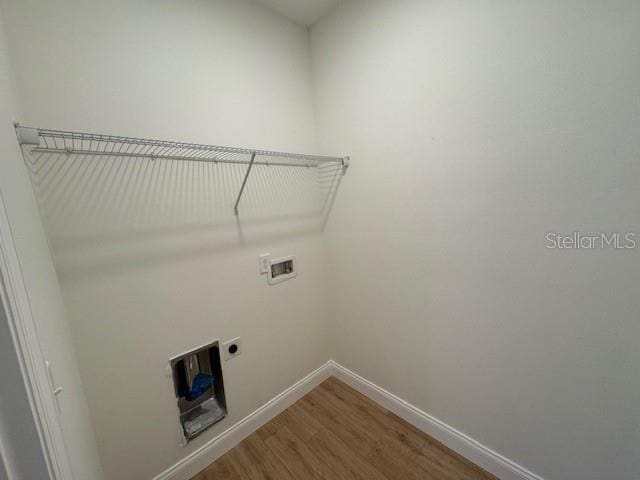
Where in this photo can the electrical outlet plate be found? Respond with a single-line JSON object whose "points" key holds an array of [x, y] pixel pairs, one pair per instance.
{"points": [[229, 350], [265, 262]]}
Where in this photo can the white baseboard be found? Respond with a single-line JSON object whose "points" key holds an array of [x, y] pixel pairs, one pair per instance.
{"points": [[218, 446], [491, 461], [484, 457]]}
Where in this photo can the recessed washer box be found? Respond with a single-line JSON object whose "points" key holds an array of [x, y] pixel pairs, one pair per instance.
{"points": [[199, 389], [282, 269]]}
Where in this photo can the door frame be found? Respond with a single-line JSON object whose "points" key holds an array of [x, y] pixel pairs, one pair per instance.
{"points": [[30, 357]]}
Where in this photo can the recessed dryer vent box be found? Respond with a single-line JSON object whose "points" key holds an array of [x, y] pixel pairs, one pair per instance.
{"points": [[282, 269], [199, 389]]}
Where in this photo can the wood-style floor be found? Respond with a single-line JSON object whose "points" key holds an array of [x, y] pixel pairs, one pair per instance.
{"points": [[335, 433]]}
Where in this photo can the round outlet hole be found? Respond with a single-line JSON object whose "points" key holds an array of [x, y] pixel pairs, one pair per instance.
{"points": [[233, 349]]}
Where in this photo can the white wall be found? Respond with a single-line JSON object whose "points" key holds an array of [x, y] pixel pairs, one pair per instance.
{"points": [[225, 72], [476, 127], [48, 311]]}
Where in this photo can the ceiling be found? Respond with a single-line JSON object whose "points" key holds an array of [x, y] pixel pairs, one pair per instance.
{"points": [[304, 12]]}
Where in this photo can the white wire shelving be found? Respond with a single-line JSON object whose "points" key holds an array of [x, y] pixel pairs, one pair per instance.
{"points": [[43, 141]]}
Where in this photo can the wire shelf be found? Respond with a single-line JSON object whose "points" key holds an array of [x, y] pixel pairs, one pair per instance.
{"points": [[60, 144]]}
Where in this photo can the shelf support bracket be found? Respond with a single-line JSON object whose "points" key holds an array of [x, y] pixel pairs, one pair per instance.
{"points": [[345, 165], [244, 183], [27, 135]]}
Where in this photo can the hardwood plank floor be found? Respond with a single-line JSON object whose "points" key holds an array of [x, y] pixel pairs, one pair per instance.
{"points": [[335, 433]]}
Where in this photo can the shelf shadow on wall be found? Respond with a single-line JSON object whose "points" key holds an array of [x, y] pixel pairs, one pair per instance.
{"points": [[105, 215]]}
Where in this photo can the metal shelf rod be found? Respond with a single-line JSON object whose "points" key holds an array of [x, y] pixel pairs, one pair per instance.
{"points": [[244, 183], [27, 135], [151, 156]]}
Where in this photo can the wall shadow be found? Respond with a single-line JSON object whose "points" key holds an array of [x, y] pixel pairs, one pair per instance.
{"points": [[106, 214]]}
